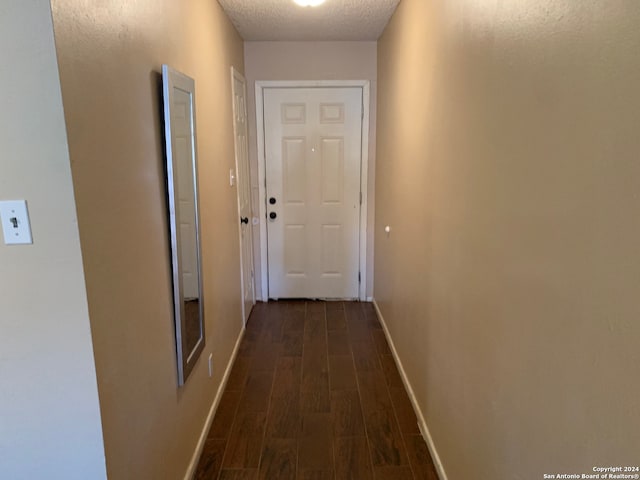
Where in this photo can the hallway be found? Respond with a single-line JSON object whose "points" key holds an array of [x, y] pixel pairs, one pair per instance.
{"points": [[498, 240], [314, 394]]}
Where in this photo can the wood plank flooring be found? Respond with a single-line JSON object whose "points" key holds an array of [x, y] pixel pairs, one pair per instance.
{"points": [[314, 394]]}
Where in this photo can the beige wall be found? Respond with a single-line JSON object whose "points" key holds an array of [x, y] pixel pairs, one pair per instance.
{"points": [[49, 413], [110, 57], [311, 61], [508, 171]]}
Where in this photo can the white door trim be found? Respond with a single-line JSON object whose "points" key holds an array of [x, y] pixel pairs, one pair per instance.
{"points": [[364, 168]]}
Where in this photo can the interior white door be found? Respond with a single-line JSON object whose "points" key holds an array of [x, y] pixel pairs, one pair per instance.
{"points": [[244, 192], [313, 143]]}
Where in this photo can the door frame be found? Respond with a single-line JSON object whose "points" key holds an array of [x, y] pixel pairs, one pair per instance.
{"points": [[236, 74], [261, 86]]}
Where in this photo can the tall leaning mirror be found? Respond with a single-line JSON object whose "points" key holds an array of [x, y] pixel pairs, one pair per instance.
{"points": [[182, 190]]}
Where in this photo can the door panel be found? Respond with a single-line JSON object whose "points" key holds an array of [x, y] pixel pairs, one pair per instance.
{"points": [[313, 142], [294, 166], [332, 154], [331, 113], [332, 251], [295, 251], [293, 113]]}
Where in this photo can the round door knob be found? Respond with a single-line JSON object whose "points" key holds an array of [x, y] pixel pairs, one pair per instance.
{"points": [[273, 215], [272, 201], [244, 220]]}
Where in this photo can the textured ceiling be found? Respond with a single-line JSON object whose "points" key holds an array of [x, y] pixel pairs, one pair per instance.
{"points": [[333, 20]]}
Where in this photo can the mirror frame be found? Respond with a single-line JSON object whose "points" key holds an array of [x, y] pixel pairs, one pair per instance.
{"points": [[171, 80]]}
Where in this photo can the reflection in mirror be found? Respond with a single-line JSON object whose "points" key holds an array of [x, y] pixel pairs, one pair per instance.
{"points": [[182, 189]]}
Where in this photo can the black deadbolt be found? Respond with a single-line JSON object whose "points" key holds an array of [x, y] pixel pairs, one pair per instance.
{"points": [[273, 215], [272, 201]]}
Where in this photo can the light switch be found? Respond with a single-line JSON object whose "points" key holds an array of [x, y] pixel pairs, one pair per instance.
{"points": [[15, 222]]}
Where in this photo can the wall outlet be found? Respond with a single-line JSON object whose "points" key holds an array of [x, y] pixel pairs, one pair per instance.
{"points": [[210, 365]]}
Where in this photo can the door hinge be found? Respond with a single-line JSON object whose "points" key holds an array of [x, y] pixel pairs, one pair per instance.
{"points": [[360, 198], [359, 277]]}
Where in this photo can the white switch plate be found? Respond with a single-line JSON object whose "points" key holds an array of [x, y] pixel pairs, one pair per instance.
{"points": [[232, 178], [15, 222]]}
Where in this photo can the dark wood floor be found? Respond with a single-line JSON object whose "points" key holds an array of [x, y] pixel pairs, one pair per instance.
{"points": [[314, 394]]}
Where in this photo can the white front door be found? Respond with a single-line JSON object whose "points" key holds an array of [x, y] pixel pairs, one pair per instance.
{"points": [[313, 139], [244, 192]]}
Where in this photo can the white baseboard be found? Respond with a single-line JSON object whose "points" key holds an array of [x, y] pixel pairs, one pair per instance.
{"points": [[422, 424], [191, 470]]}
